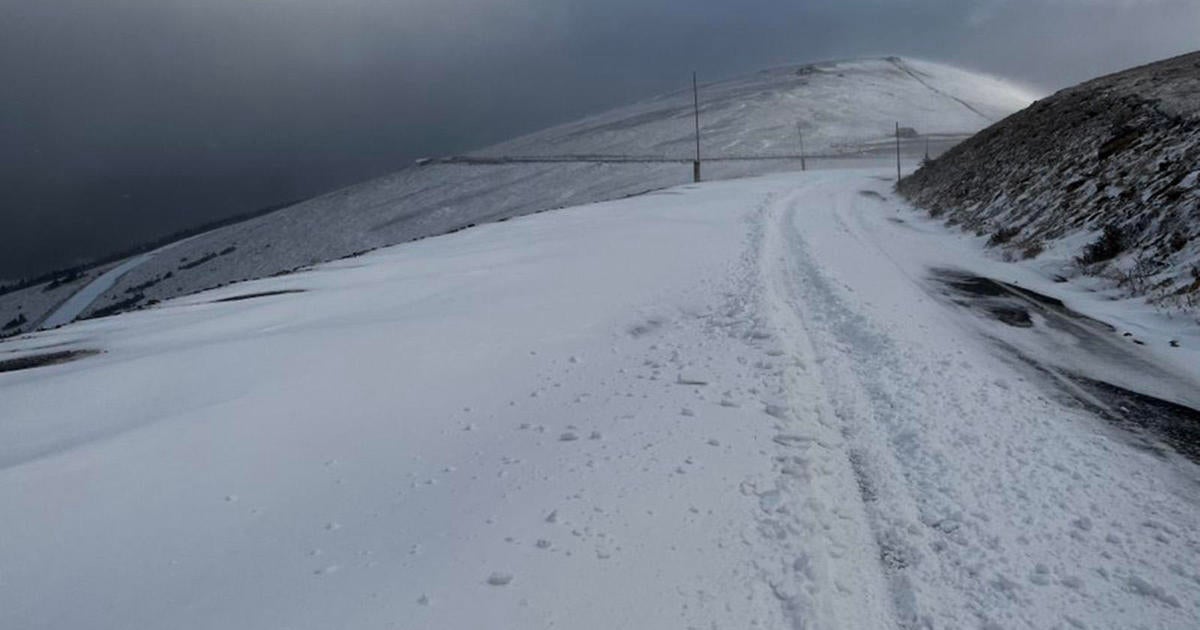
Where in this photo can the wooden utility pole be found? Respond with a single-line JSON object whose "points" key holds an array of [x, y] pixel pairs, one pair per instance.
{"points": [[800, 130], [897, 152], [696, 106]]}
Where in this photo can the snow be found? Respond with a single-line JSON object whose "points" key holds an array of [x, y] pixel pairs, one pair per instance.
{"points": [[975, 473], [91, 292], [40, 301], [846, 107], [1116, 152], [383, 446], [81, 300], [841, 105]]}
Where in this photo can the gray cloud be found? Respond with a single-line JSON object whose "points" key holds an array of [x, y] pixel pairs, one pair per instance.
{"points": [[124, 120]]}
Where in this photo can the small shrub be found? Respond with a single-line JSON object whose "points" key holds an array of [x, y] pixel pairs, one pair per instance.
{"points": [[199, 261], [116, 307], [1033, 249], [1139, 277], [1108, 246], [1179, 240], [1003, 235], [68, 278], [15, 322], [1121, 140]]}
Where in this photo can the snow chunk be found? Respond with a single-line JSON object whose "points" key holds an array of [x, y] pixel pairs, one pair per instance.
{"points": [[499, 579], [1141, 587], [776, 411]]}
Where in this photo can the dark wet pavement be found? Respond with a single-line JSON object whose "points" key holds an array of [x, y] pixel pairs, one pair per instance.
{"points": [[1087, 362]]}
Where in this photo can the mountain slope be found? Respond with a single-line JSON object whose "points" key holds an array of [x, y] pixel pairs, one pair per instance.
{"points": [[841, 105], [847, 106], [1119, 154]]}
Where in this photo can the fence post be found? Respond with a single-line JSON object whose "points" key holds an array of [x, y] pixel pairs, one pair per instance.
{"points": [[800, 130], [897, 152], [696, 107]]}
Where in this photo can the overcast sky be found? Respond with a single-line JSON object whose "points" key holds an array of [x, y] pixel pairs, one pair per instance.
{"points": [[125, 120]]}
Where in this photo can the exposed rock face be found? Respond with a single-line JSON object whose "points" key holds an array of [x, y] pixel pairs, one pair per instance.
{"points": [[1121, 152]]}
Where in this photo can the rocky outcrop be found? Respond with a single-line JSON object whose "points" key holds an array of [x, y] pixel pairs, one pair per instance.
{"points": [[1118, 156]]}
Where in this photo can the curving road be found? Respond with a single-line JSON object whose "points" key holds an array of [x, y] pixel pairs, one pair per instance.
{"points": [[746, 404], [85, 297]]}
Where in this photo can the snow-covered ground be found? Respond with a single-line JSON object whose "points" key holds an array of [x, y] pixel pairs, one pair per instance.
{"points": [[840, 106], [739, 404]]}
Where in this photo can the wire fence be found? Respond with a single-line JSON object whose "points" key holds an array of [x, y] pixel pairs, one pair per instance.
{"points": [[901, 141], [848, 148]]}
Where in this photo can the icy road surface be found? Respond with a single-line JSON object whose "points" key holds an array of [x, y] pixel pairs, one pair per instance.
{"points": [[735, 405]]}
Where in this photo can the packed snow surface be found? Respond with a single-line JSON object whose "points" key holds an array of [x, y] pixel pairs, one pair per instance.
{"points": [[733, 405]]}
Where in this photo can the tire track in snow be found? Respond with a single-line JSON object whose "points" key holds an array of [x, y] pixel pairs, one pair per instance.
{"points": [[885, 414], [984, 499], [855, 404], [829, 574]]}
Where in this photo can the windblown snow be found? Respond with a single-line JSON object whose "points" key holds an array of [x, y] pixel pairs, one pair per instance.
{"points": [[741, 404]]}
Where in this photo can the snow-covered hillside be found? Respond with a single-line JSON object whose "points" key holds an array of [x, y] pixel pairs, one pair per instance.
{"points": [[25, 309], [841, 106], [844, 107], [1102, 179], [783, 402]]}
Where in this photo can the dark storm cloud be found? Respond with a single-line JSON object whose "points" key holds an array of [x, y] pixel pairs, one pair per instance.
{"points": [[123, 120]]}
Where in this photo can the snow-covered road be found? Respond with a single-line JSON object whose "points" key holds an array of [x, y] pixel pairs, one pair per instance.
{"points": [[741, 404], [79, 302], [990, 503]]}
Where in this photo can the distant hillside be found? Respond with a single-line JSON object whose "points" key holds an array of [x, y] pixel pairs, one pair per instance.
{"points": [[845, 107], [1108, 168], [842, 105]]}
